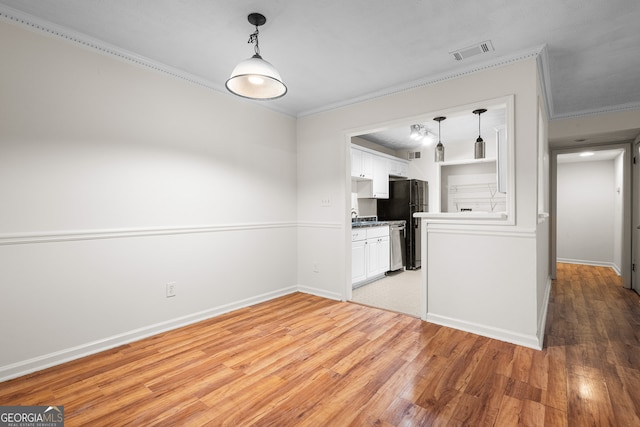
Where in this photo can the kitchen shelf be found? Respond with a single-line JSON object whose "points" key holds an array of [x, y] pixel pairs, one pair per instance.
{"points": [[478, 196]]}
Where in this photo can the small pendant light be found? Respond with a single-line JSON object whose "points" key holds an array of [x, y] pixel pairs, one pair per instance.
{"points": [[439, 155], [478, 148], [255, 78]]}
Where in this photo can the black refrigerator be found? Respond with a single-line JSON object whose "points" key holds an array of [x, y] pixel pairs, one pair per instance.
{"points": [[407, 197]]}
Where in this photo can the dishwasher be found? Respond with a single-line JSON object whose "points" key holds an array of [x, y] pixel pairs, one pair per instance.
{"points": [[397, 234]]}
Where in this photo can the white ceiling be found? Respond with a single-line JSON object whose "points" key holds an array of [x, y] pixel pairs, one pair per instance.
{"points": [[596, 156], [335, 52]]}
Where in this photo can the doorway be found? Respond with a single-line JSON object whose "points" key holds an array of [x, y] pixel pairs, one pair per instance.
{"points": [[591, 208], [383, 251]]}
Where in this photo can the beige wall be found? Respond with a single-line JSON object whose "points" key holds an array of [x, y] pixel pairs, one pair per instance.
{"points": [[116, 179]]}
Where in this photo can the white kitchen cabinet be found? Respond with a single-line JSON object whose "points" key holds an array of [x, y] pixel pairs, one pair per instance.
{"points": [[370, 253], [399, 168], [370, 172], [361, 164], [358, 261], [380, 183], [378, 256]]}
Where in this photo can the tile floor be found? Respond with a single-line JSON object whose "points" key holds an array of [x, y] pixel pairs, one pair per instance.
{"points": [[399, 291]]}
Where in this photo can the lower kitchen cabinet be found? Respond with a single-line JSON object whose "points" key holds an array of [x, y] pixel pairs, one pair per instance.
{"points": [[370, 252], [378, 256], [358, 261]]}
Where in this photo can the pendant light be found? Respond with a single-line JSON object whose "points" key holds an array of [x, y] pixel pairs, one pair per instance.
{"points": [[255, 78], [478, 148], [439, 155]]}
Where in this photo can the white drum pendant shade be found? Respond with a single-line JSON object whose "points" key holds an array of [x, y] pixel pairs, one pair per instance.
{"points": [[255, 78]]}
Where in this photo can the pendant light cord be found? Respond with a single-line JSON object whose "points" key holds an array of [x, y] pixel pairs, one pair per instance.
{"points": [[253, 38]]}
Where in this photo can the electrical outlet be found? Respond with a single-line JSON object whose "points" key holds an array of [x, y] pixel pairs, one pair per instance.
{"points": [[325, 202], [171, 289]]}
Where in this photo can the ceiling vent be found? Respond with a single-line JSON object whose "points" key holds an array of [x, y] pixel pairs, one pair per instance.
{"points": [[414, 155], [468, 52]]}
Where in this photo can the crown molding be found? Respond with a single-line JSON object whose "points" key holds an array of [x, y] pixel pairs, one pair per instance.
{"points": [[634, 106], [431, 80]]}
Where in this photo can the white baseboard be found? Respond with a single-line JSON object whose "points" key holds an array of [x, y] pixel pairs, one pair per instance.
{"points": [[48, 360], [617, 270], [542, 320], [530, 341], [320, 293]]}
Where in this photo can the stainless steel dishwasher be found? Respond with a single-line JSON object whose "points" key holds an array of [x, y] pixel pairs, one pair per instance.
{"points": [[397, 233]]}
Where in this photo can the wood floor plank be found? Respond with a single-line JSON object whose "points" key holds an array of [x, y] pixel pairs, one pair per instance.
{"points": [[302, 360]]}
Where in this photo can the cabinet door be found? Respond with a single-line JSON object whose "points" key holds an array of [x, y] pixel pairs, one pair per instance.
{"points": [[373, 256], [356, 163], [361, 164], [403, 169], [358, 261], [378, 253], [367, 165], [380, 178]]}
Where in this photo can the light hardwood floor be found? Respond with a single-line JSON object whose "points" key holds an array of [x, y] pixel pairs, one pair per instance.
{"points": [[302, 360]]}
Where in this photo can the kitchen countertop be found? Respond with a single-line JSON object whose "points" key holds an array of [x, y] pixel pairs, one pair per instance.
{"points": [[362, 224], [460, 215]]}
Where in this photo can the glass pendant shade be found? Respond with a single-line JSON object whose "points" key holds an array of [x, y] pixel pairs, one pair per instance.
{"points": [[439, 156], [478, 147], [255, 78], [439, 152]]}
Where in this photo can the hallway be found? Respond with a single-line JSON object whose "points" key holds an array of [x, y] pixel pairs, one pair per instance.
{"points": [[592, 347]]}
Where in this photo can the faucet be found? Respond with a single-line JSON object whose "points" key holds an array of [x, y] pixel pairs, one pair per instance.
{"points": [[354, 214]]}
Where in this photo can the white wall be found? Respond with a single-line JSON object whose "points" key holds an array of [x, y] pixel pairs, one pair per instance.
{"points": [[586, 212], [543, 229], [115, 180], [324, 234], [618, 212]]}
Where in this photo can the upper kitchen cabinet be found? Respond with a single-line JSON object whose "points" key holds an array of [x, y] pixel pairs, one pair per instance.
{"points": [[380, 178], [370, 172], [361, 164], [399, 168]]}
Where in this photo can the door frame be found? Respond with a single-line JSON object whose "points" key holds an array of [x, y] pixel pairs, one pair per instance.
{"points": [[626, 254], [635, 232]]}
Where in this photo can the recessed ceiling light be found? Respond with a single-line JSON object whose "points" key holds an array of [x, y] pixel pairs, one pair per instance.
{"points": [[587, 154]]}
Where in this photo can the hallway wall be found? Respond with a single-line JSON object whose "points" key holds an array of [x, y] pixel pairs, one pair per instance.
{"points": [[586, 213]]}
